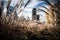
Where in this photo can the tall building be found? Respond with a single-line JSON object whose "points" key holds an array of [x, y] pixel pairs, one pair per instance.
{"points": [[34, 14]]}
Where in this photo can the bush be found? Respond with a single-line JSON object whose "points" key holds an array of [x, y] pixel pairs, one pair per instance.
{"points": [[13, 28]]}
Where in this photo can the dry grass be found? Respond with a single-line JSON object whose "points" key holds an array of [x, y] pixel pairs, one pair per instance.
{"points": [[14, 28]]}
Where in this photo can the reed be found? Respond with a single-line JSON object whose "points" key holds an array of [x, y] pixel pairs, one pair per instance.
{"points": [[13, 28]]}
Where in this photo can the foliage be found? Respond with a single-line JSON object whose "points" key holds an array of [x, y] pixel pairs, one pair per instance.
{"points": [[13, 28]]}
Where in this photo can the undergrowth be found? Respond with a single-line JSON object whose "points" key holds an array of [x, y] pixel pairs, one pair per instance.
{"points": [[14, 28]]}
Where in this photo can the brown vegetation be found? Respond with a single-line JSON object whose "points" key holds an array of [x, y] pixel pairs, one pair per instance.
{"points": [[12, 28]]}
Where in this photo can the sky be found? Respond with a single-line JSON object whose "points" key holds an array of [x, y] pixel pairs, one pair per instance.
{"points": [[36, 4], [28, 10]]}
